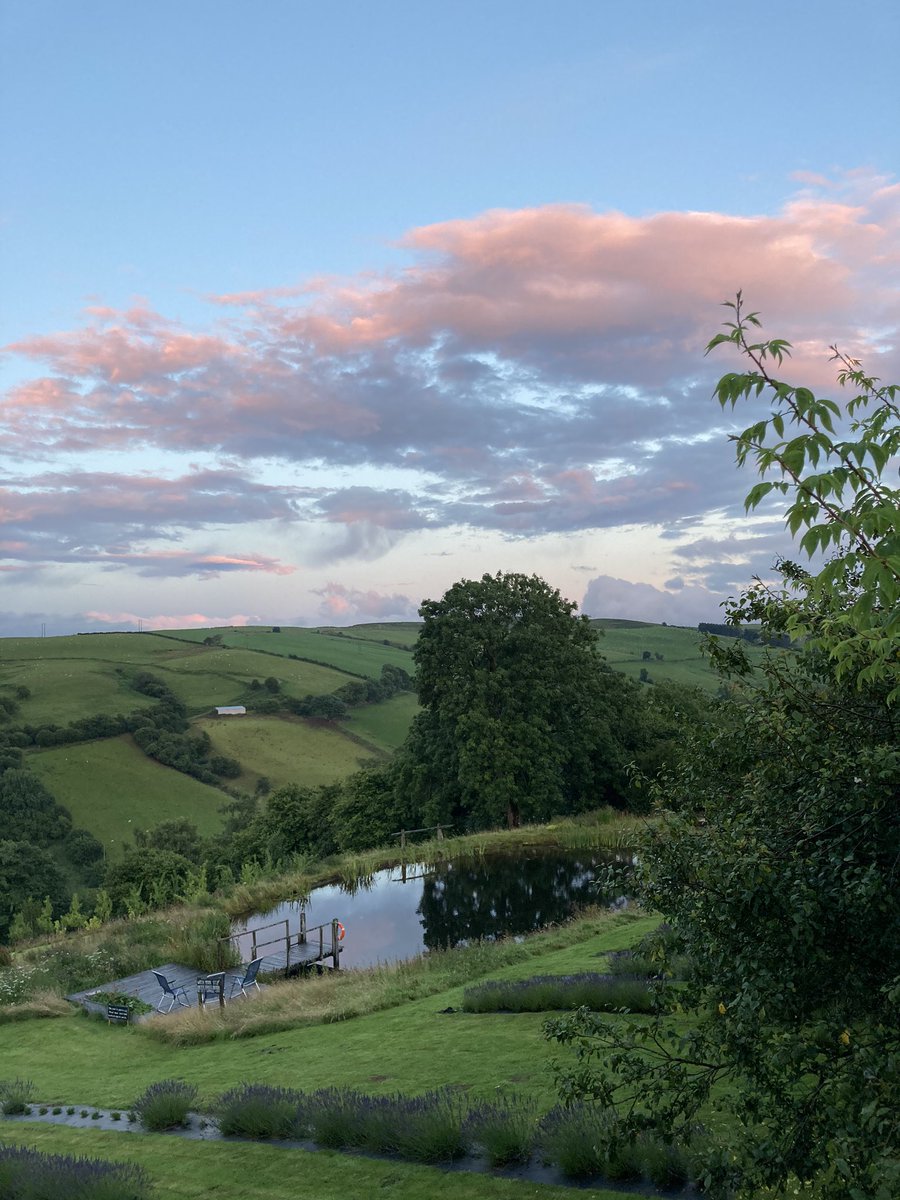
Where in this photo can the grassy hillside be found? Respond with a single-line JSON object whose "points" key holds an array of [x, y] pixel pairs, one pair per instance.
{"points": [[623, 643], [111, 788], [286, 750], [344, 652], [384, 725], [71, 677]]}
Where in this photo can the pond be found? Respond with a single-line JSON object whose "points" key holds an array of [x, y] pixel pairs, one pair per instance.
{"points": [[400, 912]]}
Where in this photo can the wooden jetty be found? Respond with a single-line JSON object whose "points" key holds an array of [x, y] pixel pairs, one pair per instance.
{"points": [[289, 951]]}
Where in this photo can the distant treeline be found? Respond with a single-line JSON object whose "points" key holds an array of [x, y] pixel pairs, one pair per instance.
{"points": [[753, 636]]}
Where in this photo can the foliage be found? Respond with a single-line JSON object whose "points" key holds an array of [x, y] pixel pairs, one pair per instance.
{"points": [[521, 719], [134, 1004], [543, 993], [776, 863], [29, 1175], [834, 482], [27, 807], [504, 1129], [15, 1095], [147, 878], [165, 1105], [27, 873]]}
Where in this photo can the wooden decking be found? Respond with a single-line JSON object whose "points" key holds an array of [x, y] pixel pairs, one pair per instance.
{"points": [[291, 952]]}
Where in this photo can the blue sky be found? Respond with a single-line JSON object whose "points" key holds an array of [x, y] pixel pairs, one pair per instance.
{"points": [[311, 310]]}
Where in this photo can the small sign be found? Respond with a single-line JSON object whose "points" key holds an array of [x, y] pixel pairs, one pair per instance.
{"points": [[117, 1014]]}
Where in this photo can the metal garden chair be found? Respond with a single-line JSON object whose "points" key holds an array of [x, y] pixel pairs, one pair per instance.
{"points": [[175, 991], [240, 986]]}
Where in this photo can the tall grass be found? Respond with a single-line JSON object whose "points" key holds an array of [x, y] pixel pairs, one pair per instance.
{"points": [[201, 942]]}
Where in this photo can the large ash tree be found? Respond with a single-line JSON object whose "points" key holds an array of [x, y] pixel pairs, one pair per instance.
{"points": [[521, 718]]}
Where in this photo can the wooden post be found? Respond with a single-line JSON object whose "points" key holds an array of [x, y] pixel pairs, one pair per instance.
{"points": [[402, 839], [440, 836], [321, 942], [287, 947], [301, 937], [253, 946], [335, 944]]}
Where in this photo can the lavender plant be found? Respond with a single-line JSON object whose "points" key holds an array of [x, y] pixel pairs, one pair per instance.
{"points": [[256, 1110], [29, 1175], [165, 1105], [505, 1129]]}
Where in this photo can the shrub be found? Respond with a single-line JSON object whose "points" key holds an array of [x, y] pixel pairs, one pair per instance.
{"points": [[664, 1165], [255, 1110], [430, 1128], [14, 1095], [543, 993], [505, 1130], [166, 1105], [28, 1173], [576, 1139]]}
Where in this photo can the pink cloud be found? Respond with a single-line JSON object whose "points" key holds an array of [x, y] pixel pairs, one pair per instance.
{"points": [[537, 368], [344, 604], [179, 621]]}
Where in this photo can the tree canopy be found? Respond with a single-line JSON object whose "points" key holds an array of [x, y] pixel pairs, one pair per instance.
{"points": [[776, 856], [521, 718]]}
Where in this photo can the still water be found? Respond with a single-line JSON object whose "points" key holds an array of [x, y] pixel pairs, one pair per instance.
{"points": [[398, 913]]}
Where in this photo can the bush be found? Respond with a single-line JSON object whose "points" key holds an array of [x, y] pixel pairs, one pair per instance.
{"points": [[576, 1139], [505, 1130], [165, 1105], [15, 1095], [30, 1175], [544, 993], [255, 1110]]}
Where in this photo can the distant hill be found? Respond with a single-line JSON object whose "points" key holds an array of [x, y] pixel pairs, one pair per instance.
{"points": [[111, 786]]}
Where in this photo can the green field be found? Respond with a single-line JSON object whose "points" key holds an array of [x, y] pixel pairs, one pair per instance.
{"points": [[384, 725], [286, 750], [399, 633], [80, 676], [111, 788], [623, 643], [359, 656]]}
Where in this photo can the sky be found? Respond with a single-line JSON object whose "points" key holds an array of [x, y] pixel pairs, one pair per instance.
{"points": [[308, 311]]}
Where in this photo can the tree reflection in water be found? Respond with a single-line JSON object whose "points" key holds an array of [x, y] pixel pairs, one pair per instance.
{"points": [[501, 896]]}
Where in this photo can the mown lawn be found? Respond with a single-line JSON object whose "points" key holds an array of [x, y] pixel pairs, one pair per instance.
{"points": [[188, 1170], [111, 788]]}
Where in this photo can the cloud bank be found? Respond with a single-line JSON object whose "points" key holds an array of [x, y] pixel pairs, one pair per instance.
{"points": [[528, 372]]}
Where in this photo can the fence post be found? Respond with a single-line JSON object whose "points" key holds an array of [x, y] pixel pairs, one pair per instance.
{"points": [[222, 991], [301, 936], [402, 839], [321, 942], [253, 947], [287, 947], [440, 836], [335, 944]]}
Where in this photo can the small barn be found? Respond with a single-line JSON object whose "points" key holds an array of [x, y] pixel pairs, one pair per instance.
{"points": [[231, 710]]}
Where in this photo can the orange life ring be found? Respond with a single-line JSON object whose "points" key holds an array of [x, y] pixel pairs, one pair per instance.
{"points": [[341, 931]]}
